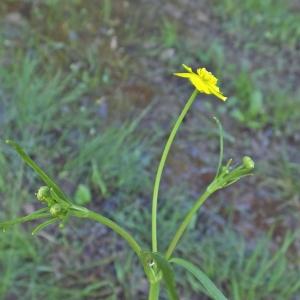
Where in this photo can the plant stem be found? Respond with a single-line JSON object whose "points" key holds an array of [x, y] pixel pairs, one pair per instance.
{"points": [[180, 231], [162, 164], [154, 291], [86, 213]]}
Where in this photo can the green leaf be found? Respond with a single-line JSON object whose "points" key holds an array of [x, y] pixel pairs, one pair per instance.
{"points": [[82, 195], [48, 181], [39, 214], [256, 103], [98, 180], [43, 225], [209, 286]]}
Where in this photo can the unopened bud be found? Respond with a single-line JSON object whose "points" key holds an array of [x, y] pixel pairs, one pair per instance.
{"points": [[43, 193], [248, 163], [55, 210], [224, 170]]}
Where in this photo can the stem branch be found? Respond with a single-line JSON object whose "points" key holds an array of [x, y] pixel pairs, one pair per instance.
{"points": [[180, 231], [88, 214]]}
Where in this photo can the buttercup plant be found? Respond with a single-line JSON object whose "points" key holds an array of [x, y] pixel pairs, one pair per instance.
{"points": [[157, 264]]}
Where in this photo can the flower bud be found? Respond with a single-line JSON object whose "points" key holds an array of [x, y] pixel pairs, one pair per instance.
{"points": [[55, 210], [225, 170], [43, 193], [248, 163]]}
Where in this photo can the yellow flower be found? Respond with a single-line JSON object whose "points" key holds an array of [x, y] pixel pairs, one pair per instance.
{"points": [[204, 81]]}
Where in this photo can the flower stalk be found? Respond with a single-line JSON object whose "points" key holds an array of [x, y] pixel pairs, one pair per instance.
{"points": [[162, 164], [154, 291], [186, 221]]}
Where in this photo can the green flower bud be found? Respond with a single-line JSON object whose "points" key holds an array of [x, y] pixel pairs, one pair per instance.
{"points": [[224, 170], [43, 193], [55, 210], [248, 163]]}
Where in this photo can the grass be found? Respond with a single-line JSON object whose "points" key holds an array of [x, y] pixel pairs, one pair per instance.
{"points": [[284, 180], [41, 103], [247, 106], [284, 111], [257, 21], [246, 270], [169, 34], [114, 159]]}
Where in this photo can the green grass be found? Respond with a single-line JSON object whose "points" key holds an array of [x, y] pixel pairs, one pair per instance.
{"points": [[284, 110], [281, 176], [256, 21], [114, 159], [214, 55], [246, 270], [36, 101], [247, 105], [169, 34]]}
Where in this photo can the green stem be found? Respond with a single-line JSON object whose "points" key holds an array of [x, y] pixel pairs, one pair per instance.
{"points": [[154, 291], [162, 164], [180, 231], [82, 212]]}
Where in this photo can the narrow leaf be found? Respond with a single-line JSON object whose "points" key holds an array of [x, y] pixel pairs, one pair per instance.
{"points": [[39, 214], [43, 225], [98, 180], [209, 286], [48, 181]]}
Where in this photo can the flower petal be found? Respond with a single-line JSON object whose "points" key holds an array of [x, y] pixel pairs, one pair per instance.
{"points": [[185, 75], [199, 84], [207, 76], [222, 97], [215, 90]]}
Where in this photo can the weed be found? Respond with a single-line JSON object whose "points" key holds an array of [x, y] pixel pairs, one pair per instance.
{"points": [[282, 176], [274, 21], [283, 110], [248, 272], [169, 34], [107, 10], [34, 101], [213, 56], [113, 160], [247, 104]]}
